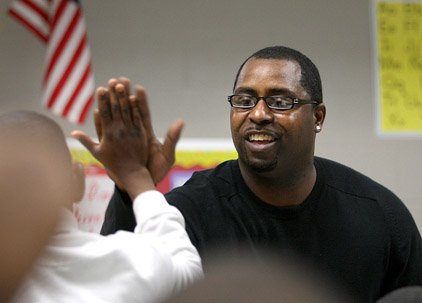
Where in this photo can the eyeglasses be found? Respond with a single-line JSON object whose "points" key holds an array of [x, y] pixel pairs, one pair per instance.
{"points": [[273, 102]]}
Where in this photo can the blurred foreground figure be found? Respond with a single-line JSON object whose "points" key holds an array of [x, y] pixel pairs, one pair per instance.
{"points": [[36, 181], [149, 264], [246, 280], [409, 294]]}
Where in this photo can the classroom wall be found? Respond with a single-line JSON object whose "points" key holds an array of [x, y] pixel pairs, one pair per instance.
{"points": [[186, 54]]}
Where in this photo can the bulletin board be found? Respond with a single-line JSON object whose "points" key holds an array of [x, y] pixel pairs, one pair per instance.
{"points": [[191, 155], [398, 67]]}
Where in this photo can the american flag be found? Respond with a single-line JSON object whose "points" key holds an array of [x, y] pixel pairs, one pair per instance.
{"points": [[68, 83]]}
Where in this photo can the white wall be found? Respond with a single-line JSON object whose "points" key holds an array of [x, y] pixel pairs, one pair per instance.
{"points": [[186, 54]]}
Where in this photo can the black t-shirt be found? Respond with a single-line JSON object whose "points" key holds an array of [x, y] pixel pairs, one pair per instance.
{"points": [[349, 227]]}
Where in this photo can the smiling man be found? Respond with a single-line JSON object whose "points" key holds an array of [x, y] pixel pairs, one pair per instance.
{"points": [[275, 134], [278, 196]]}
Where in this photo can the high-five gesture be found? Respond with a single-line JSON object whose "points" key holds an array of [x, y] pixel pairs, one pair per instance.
{"points": [[161, 156], [123, 142]]}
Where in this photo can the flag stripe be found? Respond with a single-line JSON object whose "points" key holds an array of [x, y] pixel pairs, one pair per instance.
{"points": [[78, 114], [67, 72], [38, 27], [62, 43], [86, 94], [77, 90], [55, 38], [67, 87], [85, 109], [58, 30], [36, 9], [58, 12], [68, 82], [67, 56], [43, 4]]}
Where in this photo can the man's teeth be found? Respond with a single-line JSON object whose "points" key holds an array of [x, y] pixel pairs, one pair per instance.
{"points": [[260, 137]]}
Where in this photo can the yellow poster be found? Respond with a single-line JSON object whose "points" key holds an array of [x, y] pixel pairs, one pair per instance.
{"points": [[399, 66]]}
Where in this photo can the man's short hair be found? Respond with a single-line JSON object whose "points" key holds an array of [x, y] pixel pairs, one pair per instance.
{"points": [[310, 78]]}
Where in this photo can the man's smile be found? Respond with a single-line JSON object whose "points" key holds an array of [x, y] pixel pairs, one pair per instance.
{"points": [[260, 141], [260, 138]]}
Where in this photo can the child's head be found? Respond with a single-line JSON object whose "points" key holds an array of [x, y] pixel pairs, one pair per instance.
{"points": [[37, 179], [34, 149]]}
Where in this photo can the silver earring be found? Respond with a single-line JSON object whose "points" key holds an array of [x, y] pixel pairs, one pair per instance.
{"points": [[317, 128]]}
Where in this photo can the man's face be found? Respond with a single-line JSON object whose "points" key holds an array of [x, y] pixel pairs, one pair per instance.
{"points": [[265, 139]]}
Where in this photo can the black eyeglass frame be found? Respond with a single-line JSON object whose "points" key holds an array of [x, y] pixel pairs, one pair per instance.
{"points": [[294, 101]]}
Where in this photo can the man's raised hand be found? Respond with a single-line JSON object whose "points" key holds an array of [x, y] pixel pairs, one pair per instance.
{"points": [[123, 144]]}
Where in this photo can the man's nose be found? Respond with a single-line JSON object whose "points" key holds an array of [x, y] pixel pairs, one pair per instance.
{"points": [[261, 113]]}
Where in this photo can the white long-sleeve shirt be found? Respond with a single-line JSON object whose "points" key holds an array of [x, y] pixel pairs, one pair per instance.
{"points": [[151, 263]]}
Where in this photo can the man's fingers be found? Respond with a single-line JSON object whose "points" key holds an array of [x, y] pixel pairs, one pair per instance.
{"points": [[144, 111], [123, 99], [86, 141], [136, 114], [114, 102], [126, 83], [172, 137], [103, 104]]}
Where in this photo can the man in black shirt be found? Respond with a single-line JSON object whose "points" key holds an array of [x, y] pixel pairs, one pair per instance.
{"points": [[277, 195]]}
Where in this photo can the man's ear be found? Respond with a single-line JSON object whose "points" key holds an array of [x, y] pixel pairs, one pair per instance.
{"points": [[78, 186], [319, 114]]}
